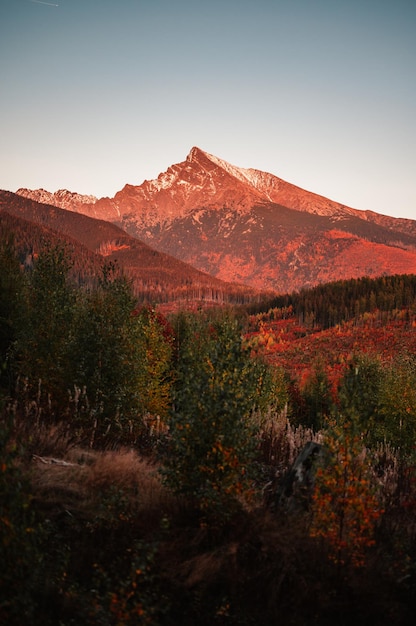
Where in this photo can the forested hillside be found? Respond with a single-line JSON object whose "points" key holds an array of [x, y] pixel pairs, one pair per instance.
{"points": [[156, 277], [28, 239], [145, 458], [341, 301]]}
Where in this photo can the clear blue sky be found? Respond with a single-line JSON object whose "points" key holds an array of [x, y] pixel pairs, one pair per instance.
{"points": [[99, 93]]}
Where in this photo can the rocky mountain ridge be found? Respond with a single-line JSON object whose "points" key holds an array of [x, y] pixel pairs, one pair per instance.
{"points": [[62, 198], [247, 226], [203, 175]]}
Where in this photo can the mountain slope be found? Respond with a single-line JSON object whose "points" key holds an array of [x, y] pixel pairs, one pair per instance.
{"points": [[157, 276], [29, 238], [247, 226]]}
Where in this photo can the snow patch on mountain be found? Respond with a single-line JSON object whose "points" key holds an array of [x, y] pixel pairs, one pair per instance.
{"points": [[255, 178], [237, 172], [163, 181]]}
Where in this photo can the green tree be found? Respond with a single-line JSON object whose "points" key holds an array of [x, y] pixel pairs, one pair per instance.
{"points": [[104, 351], [45, 331], [121, 360], [154, 373], [359, 392], [211, 434], [317, 397], [396, 421]]}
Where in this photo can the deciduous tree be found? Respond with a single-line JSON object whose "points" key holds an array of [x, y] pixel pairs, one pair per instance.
{"points": [[345, 507], [46, 326], [211, 435]]}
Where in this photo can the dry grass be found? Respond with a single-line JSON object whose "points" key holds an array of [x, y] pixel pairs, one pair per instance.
{"points": [[83, 481], [122, 469]]}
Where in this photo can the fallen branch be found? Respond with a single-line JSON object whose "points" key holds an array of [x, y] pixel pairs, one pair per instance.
{"points": [[52, 461]]}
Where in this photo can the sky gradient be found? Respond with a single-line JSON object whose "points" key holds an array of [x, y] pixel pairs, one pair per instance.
{"points": [[322, 93]]}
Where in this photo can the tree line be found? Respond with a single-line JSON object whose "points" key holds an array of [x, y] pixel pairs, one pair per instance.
{"points": [[96, 359], [340, 301]]}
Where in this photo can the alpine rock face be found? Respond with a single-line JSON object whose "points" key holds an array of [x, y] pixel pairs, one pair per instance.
{"points": [[61, 198], [251, 227]]}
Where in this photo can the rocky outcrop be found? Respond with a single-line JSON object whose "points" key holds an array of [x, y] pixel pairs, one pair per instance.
{"points": [[294, 489]]}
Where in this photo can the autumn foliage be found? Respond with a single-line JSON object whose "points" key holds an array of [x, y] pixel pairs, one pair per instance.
{"points": [[345, 507], [141, 455]]}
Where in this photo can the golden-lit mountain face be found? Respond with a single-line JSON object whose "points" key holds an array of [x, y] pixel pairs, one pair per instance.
{"points": [[251, 227]]}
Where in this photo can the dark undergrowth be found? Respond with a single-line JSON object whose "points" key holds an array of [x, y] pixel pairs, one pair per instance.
{"points": [[92, 537]]}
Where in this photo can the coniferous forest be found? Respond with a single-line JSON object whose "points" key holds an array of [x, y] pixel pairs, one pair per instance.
{"points": [[145, 457]]}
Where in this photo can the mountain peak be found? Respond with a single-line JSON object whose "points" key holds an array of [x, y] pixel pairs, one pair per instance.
{"points": [[249, 226], [194, 154], [254, 178]]}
